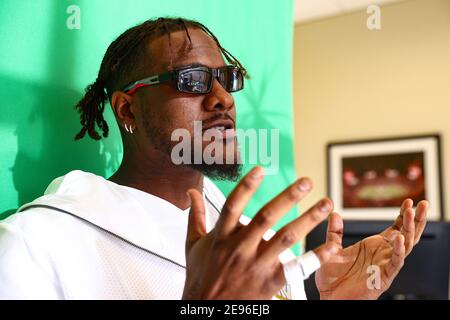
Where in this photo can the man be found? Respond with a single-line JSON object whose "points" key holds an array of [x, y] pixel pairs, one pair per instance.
{"points": [[161, 230]]}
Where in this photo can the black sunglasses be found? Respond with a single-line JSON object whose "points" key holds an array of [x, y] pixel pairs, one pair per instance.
{"points": [[195, 79]]}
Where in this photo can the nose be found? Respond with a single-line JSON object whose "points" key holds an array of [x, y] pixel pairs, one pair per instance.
{"points": [[218, 98]]}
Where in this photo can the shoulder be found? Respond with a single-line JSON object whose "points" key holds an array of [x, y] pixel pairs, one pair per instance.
{"points": [[44, 223], [73, 180], [36, 225]]}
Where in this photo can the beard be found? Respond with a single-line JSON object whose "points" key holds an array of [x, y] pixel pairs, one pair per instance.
{"points": [[223, 172], [160, 139]]}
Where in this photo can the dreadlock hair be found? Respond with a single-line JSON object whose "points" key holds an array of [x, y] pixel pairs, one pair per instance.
{"points": [[124, 62]]}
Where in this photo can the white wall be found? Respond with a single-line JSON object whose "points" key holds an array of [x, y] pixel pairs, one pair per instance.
{"points": [[352, 83]]}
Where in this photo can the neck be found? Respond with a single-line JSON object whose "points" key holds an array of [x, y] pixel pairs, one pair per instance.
{"points": [[157, 175]]}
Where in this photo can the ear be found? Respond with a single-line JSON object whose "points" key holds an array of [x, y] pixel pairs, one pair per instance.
{"points": [[121, 104]]}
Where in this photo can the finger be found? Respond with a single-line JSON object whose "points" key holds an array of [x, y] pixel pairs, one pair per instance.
{"points": [[397, 257], [237, 201], [276, 208], [408, 229], [406, 204], [297, 229], [335, 229], [420, 220], [196, 221]]}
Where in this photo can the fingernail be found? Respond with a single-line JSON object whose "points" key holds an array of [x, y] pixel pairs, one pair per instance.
{"points": [[325, 206], [304, 185], [257, 173]]}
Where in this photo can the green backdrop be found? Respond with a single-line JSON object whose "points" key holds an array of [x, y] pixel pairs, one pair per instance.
{"points": [[44, 68]]}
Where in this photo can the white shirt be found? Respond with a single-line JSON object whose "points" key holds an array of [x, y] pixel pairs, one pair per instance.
{"points": [[89, 238]]}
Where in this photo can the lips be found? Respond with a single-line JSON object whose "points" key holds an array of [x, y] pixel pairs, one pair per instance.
{"points": [[220, 125], [224, 127]]}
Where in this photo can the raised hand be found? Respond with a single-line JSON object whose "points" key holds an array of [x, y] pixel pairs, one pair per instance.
{"points": [[346, 274], [233, 261]]}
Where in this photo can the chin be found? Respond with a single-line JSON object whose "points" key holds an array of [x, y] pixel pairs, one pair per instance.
{"points": [[223, 172]]}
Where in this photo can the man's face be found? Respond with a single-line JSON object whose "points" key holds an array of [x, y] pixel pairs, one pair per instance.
{"points": [[164, 109]]}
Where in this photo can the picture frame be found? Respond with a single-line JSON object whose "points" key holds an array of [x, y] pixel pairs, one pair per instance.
{"points": [[369, 179]]}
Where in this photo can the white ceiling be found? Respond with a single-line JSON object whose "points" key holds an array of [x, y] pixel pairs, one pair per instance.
{"points": [[310, 10]]}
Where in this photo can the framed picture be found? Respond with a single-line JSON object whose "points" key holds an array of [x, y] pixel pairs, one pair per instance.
{"points": [[369, 179]]}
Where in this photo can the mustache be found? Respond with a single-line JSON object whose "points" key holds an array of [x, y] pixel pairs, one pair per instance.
{"points": [[218, 117]]}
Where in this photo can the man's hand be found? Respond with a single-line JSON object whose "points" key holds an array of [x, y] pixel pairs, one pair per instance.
{"points": [[345, 275], [233, 261]]}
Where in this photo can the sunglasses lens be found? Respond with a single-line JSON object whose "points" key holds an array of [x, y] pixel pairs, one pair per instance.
{"points": [[231, 79], [200, 80], [194, 81]]}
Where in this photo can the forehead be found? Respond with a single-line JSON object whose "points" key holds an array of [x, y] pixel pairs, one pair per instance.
{"points": [[180, 51]]}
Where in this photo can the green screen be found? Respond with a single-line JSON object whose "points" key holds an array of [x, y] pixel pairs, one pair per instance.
{"points": [[45, 66]]}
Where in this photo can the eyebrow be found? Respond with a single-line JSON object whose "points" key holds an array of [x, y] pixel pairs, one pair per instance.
{"points": [[180, 66], [184, 65]]}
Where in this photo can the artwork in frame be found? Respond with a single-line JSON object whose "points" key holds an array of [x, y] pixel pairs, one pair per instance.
{"points": [[369, 179]]}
